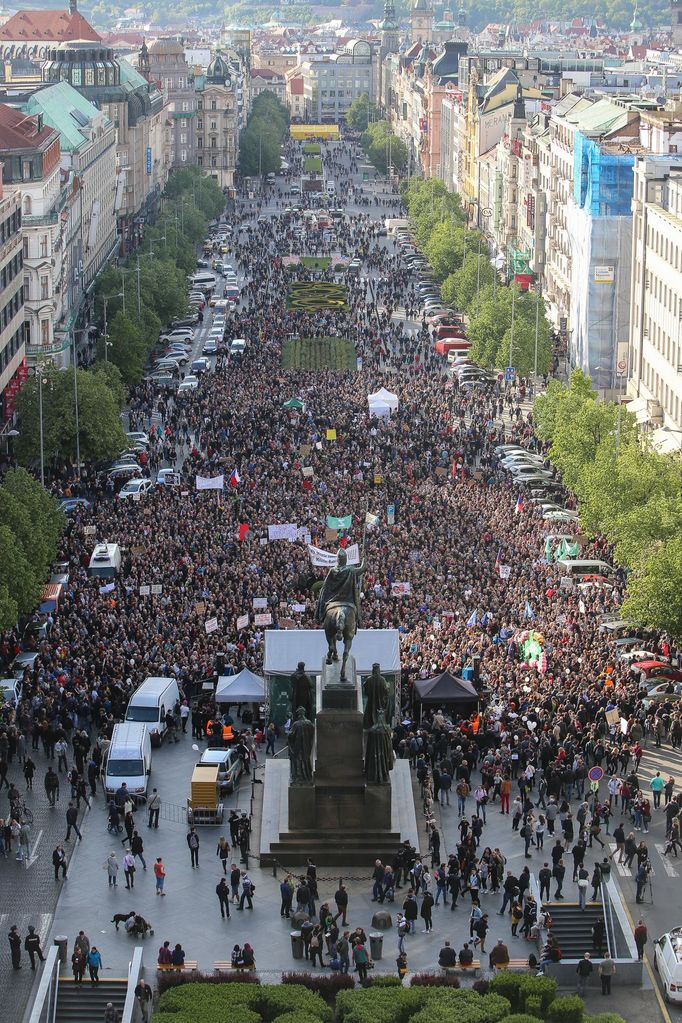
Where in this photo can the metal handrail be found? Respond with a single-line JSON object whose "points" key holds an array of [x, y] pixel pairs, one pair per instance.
{"points": [[132, 1010], [44, 1009], [608, 919]]}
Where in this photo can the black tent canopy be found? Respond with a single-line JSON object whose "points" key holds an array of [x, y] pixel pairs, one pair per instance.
{"points": [[445, 688]]}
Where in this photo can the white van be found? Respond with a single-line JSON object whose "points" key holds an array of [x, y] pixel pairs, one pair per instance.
{"points": [[668, 964], [151, 702], [105, 562], [575, 567], [129, 760]]}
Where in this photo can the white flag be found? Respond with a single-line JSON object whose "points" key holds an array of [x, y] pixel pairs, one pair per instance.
{"points": [[211, 482], [371, 520]]}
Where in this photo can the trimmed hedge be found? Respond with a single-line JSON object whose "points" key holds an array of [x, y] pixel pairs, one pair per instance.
{"points": [[172, 980], [434, 980], [518, 987], [567, 1009], [534, 1006], [520, 1017], [605, 1017], [326, 985], [246, 1003]]}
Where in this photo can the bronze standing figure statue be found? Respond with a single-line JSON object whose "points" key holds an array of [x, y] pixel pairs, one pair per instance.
{"points": [[301, 739], [338, 608], [302, 690], [379, 752]]}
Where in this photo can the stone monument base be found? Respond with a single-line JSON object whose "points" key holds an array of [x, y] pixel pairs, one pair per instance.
{"points": [[345, 843]]}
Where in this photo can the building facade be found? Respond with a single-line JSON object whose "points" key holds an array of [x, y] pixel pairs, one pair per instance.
{"points": [[31, 157], [88, 152], [173, 76], [218, 120], [332, 83], [12, 346], [135, 108], [655, 350]]}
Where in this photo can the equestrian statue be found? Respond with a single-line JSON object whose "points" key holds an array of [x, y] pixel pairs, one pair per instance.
{"points": [[338, 607]]}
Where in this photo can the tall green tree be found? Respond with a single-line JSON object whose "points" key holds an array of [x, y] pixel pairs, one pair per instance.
{"points": [[360, 113], [654, 596], [100, 431]]}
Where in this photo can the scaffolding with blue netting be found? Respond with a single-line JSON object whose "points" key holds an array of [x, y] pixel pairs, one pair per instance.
{"points": [[602, 181]]}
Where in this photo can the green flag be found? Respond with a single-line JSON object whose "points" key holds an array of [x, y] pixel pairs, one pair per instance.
{"points": [[339, 521]]}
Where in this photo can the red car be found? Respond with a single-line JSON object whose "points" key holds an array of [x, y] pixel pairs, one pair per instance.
{"points": [[655, 669]]}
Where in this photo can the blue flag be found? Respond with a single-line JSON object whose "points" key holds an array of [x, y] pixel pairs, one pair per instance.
{"points": [[473, 620], [528, 611]]}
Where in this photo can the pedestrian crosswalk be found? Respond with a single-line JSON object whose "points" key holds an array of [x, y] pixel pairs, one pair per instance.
{"points": [[41, 921]]}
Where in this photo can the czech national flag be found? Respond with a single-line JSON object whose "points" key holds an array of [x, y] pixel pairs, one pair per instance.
{"points": [[519, 505], [235, 478]]}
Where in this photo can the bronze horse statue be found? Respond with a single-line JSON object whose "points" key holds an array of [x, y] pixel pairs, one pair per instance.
{"points": [[340, 624]]}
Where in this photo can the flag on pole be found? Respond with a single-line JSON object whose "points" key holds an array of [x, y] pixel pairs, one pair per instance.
{"points": [[243, 530], [235, 478], [371, 520], [528, 611], [473, 619], [498, 559], [519, 504]]}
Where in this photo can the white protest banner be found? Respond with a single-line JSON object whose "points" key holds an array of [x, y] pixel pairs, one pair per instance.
{"points": [[136, 497], [400, 589], [505, 571], [263, 541], [144, 591], [324, 559], [259, 602], [307, 470], [107, 588], [282, 531], [265, 619], [211, 482], [306, 536], [298, 608], [242, 622], [287, 623], [211, 626], [89, 530], [157, 588]]}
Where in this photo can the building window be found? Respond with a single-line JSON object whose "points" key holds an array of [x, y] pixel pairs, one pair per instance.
{"points": [[26, 170], [183, 156], [214, 161], [200, 125], [200, 161], [214, 105], [44, 287], [213, 125], [183, 139], [44, 332], [200, 104], [200, 142], [89, 76], [43, 246]]}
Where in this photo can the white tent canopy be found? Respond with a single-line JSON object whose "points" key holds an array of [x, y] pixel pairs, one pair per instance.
{"points": [[383, 397], [379, 411], [242, 688], [284, 648]]}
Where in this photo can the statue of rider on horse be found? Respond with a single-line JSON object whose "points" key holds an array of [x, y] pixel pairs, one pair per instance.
{"points": [[338, 607]]}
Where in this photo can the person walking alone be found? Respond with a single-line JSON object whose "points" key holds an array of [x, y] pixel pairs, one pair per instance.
{"points": [[223, 893], [153, 807], [193, 843], [111, 867], [160, 875], [72, 822], [94, 964]]}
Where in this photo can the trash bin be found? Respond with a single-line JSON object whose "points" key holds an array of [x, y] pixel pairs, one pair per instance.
{"points": [[62, 943], [296, 945], [376, 945]]}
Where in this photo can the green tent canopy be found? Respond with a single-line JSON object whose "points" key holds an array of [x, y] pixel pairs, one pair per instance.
{"points": [[294, 403]]}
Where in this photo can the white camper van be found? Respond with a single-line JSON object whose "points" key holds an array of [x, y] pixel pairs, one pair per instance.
{"points": [[129, 760], [151, 702], [105, 562]]}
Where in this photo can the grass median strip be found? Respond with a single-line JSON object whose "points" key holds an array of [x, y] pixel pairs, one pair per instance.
{"points": [[319, 353]]}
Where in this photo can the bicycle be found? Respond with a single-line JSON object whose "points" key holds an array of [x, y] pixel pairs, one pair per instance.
{"points": [[21, 813]]}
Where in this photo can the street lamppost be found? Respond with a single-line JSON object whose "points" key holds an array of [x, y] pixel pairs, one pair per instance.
{"points": [[105, 300], [485, 213], [511, 333], [38, 371]]}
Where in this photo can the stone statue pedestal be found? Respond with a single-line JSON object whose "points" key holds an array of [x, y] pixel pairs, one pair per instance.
{"points": [[339, 818]]}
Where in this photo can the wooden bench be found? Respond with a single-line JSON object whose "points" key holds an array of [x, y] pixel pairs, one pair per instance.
{"points": [[514, 964], [226, 967], [474, 968], [190, 965]]}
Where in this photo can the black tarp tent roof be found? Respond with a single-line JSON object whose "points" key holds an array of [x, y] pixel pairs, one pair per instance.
{"points": [[445, 688]]}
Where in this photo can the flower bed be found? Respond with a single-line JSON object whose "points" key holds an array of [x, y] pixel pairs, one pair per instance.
{"points": [[315, 353], [315, 262], [314, 296]]}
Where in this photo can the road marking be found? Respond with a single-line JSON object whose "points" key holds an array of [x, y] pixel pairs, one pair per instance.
{"points": [[34, 855], [620, 867], [667, 865]]}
